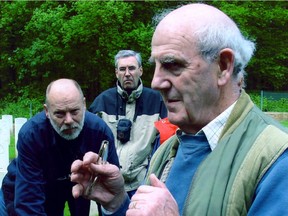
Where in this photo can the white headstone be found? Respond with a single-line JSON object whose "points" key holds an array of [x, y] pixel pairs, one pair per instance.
{"points": [[8, 121], [4, 148]]}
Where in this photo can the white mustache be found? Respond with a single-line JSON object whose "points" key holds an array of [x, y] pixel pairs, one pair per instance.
{"points": [[69, 127]]}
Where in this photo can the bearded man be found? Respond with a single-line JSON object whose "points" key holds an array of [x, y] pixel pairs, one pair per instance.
{"points": [[38, 180]]}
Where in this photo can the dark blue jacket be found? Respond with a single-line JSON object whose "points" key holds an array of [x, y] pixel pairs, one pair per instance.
{"points": [[44, 162]]}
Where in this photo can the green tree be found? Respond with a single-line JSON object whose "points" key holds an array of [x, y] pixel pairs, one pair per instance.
{"points": [[265, 21], [44, 40]]}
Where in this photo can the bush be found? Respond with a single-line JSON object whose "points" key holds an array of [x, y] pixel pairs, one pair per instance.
{"points": [[22, 108], [269, 105], [24, 104]]}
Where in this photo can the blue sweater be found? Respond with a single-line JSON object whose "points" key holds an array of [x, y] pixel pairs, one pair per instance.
{"points": [[192, 150]]}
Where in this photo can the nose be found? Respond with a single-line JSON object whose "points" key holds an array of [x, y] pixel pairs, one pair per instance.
{"points": [[154, 82], [127, 72], [159, 82], [68, 118]]}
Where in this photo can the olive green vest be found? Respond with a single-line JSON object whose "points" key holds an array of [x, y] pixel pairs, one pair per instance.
{"points": [[225, 182]]}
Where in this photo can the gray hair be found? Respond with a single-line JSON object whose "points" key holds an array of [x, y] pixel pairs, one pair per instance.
{"points": [[127, 53], [215, 36]]}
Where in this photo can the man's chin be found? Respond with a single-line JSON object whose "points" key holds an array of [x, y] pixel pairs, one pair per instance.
{"points": [[69, 136], [128, 85], [74, 133], [174, 118]]}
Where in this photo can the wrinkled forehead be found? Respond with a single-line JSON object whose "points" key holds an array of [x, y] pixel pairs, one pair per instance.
{"points": [[173, 39], [177, 31], [65, 103], [64, 95]]}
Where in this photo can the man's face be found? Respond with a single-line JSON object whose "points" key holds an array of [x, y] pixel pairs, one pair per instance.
{"points": [[128, 72], [186, 82], [66, 115]]}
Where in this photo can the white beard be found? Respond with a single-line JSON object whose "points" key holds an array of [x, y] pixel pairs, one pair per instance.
{"points": [[77, 127]]}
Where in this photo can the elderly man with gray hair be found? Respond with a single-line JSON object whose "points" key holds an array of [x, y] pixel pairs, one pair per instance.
{"points": [[227, 158]]}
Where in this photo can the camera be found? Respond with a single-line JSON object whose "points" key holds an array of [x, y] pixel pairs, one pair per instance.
{"points": [[124, 130]]}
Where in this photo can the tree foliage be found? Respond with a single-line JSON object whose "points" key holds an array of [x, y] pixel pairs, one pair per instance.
{"points": [[265, 22], [45, 40]]}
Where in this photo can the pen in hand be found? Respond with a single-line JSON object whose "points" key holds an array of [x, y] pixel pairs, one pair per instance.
{"points": [[102, 159]]}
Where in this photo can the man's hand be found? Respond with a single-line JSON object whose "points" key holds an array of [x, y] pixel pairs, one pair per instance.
{"points": [[109, 188], [154, 200]]}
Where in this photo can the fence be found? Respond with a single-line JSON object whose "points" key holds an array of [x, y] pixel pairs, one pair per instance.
{"points": [[8, 127], [271, 96]]}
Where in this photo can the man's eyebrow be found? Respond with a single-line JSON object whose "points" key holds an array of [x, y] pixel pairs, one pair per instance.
{"points": [[164, 59], [167, 59]]}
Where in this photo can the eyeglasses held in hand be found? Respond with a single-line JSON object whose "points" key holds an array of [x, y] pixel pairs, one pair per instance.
{"points": [[102, 159]]}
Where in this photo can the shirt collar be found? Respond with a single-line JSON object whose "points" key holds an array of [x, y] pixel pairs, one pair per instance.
{"points": [[214, 128]]}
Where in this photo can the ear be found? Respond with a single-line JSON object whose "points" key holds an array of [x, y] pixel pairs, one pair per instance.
{"points": [[141, 71], [46, 110], [116, 73], [226, 66], [84, 102]]}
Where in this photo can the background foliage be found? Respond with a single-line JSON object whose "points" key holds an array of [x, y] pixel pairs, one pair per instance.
{"points": [[45, 40]]}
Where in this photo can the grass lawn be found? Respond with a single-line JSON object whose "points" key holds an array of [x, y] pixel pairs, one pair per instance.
{"points": [[285, 123]]}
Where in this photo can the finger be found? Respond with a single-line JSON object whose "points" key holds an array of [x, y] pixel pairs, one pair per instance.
{"points": [[90, 157], [155, 182], [77, 190], [76, 176], [104, 169], [76, 165]]}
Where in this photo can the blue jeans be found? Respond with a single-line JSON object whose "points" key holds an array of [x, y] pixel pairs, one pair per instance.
{"points": [[3, 211]]}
